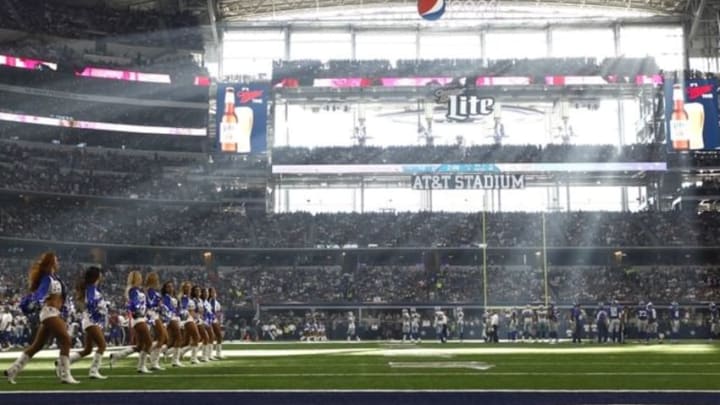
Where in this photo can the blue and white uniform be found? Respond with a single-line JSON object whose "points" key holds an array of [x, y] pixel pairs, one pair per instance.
{"points": [[208, 312], [200, 312], [187, 304], [50, 284], [714, 320], [96, 308], [216, 310], [169, 309], [137, 306], [153, 305]]}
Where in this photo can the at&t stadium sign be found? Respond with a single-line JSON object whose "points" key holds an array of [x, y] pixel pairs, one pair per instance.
{"points": [[468, 181]]}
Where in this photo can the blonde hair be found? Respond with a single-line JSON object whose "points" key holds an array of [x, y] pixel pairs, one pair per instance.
{"points": [[134, 279], [186, 285], [152, 280]]}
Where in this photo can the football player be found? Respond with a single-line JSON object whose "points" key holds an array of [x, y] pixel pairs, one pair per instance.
{"points": [[441, 325], [576, 319], [614, 316], [527, 318], [602, 323], [460, 323], [652, 325], [714, 321], [414, 325], [642, 320], [542, 324], [512, 325], [351, 329], [405, 326], [554, 319], [674, 321]]}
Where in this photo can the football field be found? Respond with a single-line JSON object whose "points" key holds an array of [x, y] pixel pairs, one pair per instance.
{"points": [[394, 366]]}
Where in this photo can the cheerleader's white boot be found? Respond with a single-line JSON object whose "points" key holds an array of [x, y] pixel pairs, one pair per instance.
{"points": [[95, 367], [142, 360], [16, 367], [65, 375], [176, 357], [155, 360]]}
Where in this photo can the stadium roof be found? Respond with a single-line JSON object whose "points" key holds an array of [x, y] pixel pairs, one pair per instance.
{"points": [[244, 9]]}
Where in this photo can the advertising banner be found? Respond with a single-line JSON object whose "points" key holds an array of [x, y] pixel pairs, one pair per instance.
{"points": [[126, 75], [241, 117], [691, 115]]}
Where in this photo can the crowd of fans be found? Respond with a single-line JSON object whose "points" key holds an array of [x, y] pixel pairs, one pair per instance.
{"points": [[149, 28], [303, 72], [215, 226], [99, 172], [553, 153]]}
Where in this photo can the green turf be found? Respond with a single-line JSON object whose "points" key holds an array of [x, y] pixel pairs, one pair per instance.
{"points": [[630, 367]]}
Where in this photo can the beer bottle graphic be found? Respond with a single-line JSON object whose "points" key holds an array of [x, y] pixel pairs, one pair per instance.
{"points": [[229, 127], [679, 120]]}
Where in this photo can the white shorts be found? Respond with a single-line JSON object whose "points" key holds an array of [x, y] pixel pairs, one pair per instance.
{"points": [[137, 321], [48, 312], [87, 322]]}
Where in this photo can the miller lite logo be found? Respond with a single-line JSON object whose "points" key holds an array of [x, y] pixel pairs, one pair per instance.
{"points": [[431, 10], [462, 107]]}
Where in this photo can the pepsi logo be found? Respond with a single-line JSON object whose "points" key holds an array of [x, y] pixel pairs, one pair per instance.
{"points": [[431, 10]]}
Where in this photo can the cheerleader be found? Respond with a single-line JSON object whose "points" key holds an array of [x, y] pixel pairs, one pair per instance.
{"points": [[154, 305], [187, 317], [196, 294], [169, 315], [216, 309], [94, 318], [209, 319], [48, 291], [137, 309]]}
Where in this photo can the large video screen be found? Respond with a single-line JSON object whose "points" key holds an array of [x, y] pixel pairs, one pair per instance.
{"points": [[241, 117], [691, 115]]}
